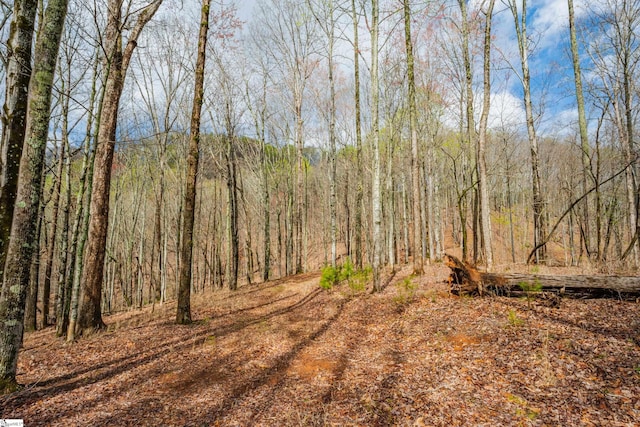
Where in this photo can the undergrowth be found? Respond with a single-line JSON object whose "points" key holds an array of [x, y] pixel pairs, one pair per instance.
{"points": [[355, 279], [406, 291]]}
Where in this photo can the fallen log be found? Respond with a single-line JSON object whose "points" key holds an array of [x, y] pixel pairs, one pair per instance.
{"points": [[467, 280]]}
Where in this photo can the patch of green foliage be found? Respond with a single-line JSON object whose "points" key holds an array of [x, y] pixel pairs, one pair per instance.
{"points": [[329, 277], [514, 319], [530, 290], [406, 291], [356, 279]]}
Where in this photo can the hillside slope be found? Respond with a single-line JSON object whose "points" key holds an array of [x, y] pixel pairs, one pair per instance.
{"points": [[287, 353]]}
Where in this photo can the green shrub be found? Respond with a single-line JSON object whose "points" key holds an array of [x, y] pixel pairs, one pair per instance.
{"points": [[406, 291], [346, 270], [530, 290], [330, 277], [514, 319], [356, 279]]}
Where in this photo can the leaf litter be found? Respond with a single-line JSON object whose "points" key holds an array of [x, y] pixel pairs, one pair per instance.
{"points": [[287, 353]]}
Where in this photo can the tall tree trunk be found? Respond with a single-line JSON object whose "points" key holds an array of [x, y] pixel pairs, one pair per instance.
{"points": [[539, 227], [376, 204], [333, 202], [632, 190], [156, 253], [266, 212], [232, 190], [485, 213], [117, 62], [21, 247], [81, 219], [469, 130], [389, 202], [359, 169], [61, 290], [415, 155], [300, 167], [48, 270], [62, 294], [582, 125], [183, 315], [14, 117]]}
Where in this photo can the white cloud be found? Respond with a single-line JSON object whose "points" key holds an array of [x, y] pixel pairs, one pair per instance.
{"points": [[550, 20], [506, 111]]}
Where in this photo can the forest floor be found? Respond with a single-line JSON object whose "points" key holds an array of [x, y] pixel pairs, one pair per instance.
{"points": [[286, 353]]}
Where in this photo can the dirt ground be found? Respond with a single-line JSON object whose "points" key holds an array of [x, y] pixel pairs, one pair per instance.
{"points": [[286, 353]]}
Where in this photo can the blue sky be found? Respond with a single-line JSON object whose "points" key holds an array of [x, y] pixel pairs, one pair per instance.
{"points": [[551, 71], [550, 63]]}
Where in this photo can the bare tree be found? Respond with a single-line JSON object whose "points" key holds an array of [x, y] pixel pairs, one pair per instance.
{"points": [[539, 223], [376, 205], [358, 129], [582, 126], [183, 315], [290, 37], [415, 155], [117, 62], [485, 213]]}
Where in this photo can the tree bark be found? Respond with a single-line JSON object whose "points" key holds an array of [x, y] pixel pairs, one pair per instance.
{"points": [[539, 223], [485, 213], [21, 245], [232, 191], [183, 315], [466, 280], [48, 270], [582, 125], [359, 169], [415, 155], [14, 117], [117, 62], [376, 204], [31, 307]]}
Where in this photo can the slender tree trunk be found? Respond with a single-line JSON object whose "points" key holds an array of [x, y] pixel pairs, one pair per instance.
{"points": [[81, 219], [299, 211], [485, 212], [632, 191], [61, 296], [582, 124], [232, 190], [46, 286], [333, 202], [289, 226], [539, 227], [266, 202], [183, 315], [469, 130], [415, 155], [389, 203], [156, 253], [21, 247], [14, 117], [80, 232], [375, 131], [359, 169], [405, 220]]}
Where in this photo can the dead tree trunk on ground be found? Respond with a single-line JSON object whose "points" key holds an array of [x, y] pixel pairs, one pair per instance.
{"points": [[466, 280]]}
